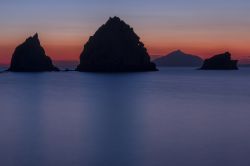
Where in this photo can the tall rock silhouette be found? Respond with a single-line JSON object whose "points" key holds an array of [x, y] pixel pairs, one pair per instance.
{"points": [[220, 62], [30, 57], [115, 48], [179, 59]]}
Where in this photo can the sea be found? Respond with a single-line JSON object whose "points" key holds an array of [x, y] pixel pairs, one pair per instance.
{"points": [[174, 117]]}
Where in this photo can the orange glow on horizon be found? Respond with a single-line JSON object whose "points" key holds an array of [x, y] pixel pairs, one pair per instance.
{"points": [[70, 49]]}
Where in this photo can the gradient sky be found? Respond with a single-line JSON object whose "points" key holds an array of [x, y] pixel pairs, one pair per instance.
{"points": [[202, 27]]}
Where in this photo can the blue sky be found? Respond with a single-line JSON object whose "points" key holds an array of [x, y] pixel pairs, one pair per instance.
{"points": [[163, 25]]}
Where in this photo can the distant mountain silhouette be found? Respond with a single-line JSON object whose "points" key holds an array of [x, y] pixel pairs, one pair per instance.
{"points": [[244, 65], [220, 62], [30, 57], [115, 48], [66, 64], [3, 65], [3, 68], [179, 59]]}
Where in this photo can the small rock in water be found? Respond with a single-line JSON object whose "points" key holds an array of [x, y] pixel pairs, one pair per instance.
{"points": [[220, 62]]}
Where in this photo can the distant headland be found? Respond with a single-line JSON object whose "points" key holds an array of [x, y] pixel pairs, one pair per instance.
{"points": [[179, 59]]}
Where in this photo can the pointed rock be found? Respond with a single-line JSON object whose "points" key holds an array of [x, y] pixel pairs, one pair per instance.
{"points": [[220, 62], [179, 59], [30, 57], [115, 48]]}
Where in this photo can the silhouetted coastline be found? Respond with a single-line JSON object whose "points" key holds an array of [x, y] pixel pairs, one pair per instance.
{"points": [[114, 47]]}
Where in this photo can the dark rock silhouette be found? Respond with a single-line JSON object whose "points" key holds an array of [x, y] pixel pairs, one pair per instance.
{"points": [[179, 59], [220, 62], [115, 48], [30, 57]]}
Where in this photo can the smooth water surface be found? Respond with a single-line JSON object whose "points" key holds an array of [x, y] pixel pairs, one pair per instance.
{"points": [[175, 117]]}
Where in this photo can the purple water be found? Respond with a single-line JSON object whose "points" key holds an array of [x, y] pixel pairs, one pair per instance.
{"points": [[173, 117]]}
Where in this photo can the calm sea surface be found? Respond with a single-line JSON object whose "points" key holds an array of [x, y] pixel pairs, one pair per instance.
{"points": [[175, 117]]}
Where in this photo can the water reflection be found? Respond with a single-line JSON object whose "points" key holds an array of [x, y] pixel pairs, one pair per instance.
{"points": [[173, 117], [23, 134], [115, 133]]}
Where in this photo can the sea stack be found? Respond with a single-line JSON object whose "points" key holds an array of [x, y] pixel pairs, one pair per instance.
{"points": [[179, 59], [220, 62], [115, 48], [30, 57]]}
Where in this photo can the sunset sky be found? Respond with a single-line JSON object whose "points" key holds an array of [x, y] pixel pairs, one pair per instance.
{"points": [[201, 27]]}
